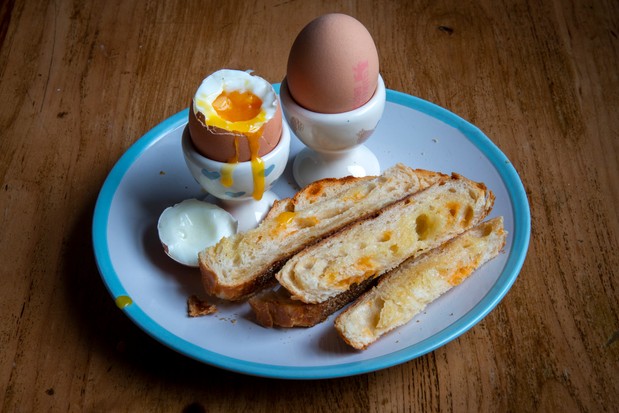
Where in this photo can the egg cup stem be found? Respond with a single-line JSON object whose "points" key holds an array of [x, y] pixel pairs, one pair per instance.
{"points": [[334, 141], [248, 212], [310, 165]]}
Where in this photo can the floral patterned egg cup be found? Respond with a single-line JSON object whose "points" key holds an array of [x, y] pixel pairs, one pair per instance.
{"points": [[334, 141], [237, 187]]}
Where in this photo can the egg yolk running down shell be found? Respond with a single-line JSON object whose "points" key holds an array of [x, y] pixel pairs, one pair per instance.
{"points": [[244, 110], [236, 118]]}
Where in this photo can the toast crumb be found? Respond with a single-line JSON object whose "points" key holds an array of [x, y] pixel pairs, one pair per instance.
{"points": [[198, 308]]}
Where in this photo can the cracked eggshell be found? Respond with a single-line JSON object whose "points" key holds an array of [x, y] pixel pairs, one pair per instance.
{"points": [[222, 140], [218, 144]]}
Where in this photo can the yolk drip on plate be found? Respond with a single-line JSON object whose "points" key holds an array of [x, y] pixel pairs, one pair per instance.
{"points": [[123, 301], [241, 112]]}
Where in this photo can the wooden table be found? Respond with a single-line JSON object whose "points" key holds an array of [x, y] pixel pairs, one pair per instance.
{"points": [[81, 81]]}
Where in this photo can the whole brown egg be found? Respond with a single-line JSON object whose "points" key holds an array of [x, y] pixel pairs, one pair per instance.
{"points": [[333, 65]]}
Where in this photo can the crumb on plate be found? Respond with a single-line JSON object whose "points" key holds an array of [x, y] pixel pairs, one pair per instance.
{"points": [[197, 307]]}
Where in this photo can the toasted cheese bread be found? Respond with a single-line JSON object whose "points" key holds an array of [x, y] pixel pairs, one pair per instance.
{"points": [[407, 290], [373, 246], [312, 193], [274, 307], [242, 264]]}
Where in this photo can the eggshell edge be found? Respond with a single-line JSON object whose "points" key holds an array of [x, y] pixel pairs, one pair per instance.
{"points": [[218, 144]]}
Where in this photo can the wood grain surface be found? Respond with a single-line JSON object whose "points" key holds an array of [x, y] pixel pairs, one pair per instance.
{"points": [[80, 81]]}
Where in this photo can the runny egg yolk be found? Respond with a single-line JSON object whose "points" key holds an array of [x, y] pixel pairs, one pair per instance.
{"points": [[241, 112], [237, 106]]}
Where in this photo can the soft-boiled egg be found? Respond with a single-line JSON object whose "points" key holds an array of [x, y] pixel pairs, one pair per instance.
{"points": [[190, 226], [235, 117]]}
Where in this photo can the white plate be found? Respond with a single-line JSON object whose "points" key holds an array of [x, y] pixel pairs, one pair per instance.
{"points": [[152, 175]]}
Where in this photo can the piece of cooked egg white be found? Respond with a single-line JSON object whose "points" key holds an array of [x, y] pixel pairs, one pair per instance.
{"points": [[190, 226]]}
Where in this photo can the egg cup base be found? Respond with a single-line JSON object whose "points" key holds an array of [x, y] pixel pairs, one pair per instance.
{"points": [[310, 166], [247, 212], [238, 198]]}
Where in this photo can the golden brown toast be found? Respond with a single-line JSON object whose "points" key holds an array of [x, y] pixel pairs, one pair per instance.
{"points": [[404, 292], [242, 264]]}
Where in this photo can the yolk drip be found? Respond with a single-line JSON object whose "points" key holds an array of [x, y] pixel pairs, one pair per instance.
{"points": [[122, 301], [285, 218], [241, 112], [257, 164], [226, 174]]}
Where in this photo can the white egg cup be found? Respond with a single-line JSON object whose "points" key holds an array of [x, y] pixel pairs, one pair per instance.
{"points": [[334, 140], [238, 199]]}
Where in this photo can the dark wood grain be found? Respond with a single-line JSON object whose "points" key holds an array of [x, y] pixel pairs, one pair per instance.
{"points": [[81, 81]]}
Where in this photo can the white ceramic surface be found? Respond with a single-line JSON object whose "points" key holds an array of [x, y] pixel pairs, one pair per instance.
{"points": [[238, 198], [310, 166], [334, 140], [248, 213], [208, 172], [152, 175]]}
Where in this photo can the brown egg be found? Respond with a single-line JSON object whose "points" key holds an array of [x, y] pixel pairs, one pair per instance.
{"points": [[235, 117], [333, 65], [220, 145]]}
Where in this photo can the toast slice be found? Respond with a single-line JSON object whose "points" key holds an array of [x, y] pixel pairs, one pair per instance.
{"points": [[404, 292], [373, 246], [276, 308], [312, 193], [242, 264]]}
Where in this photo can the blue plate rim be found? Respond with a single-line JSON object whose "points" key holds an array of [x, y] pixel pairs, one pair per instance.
{"points": [[515, 261]]}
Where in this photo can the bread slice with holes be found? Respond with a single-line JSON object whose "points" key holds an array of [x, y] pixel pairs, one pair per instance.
{"points": [[312, 193], [373, 246], [273, 307], [276, 307], [404, 292], [242, 264]]}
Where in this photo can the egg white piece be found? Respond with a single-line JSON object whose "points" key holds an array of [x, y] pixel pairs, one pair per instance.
{"points": [[235, 80], [190, 226]]}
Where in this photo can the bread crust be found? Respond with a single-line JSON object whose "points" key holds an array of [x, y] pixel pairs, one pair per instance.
{"points": [[242, 291], [223, 277], [313, 193], [403, 292], [298, 277], [276, 308], [308, 195]]}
